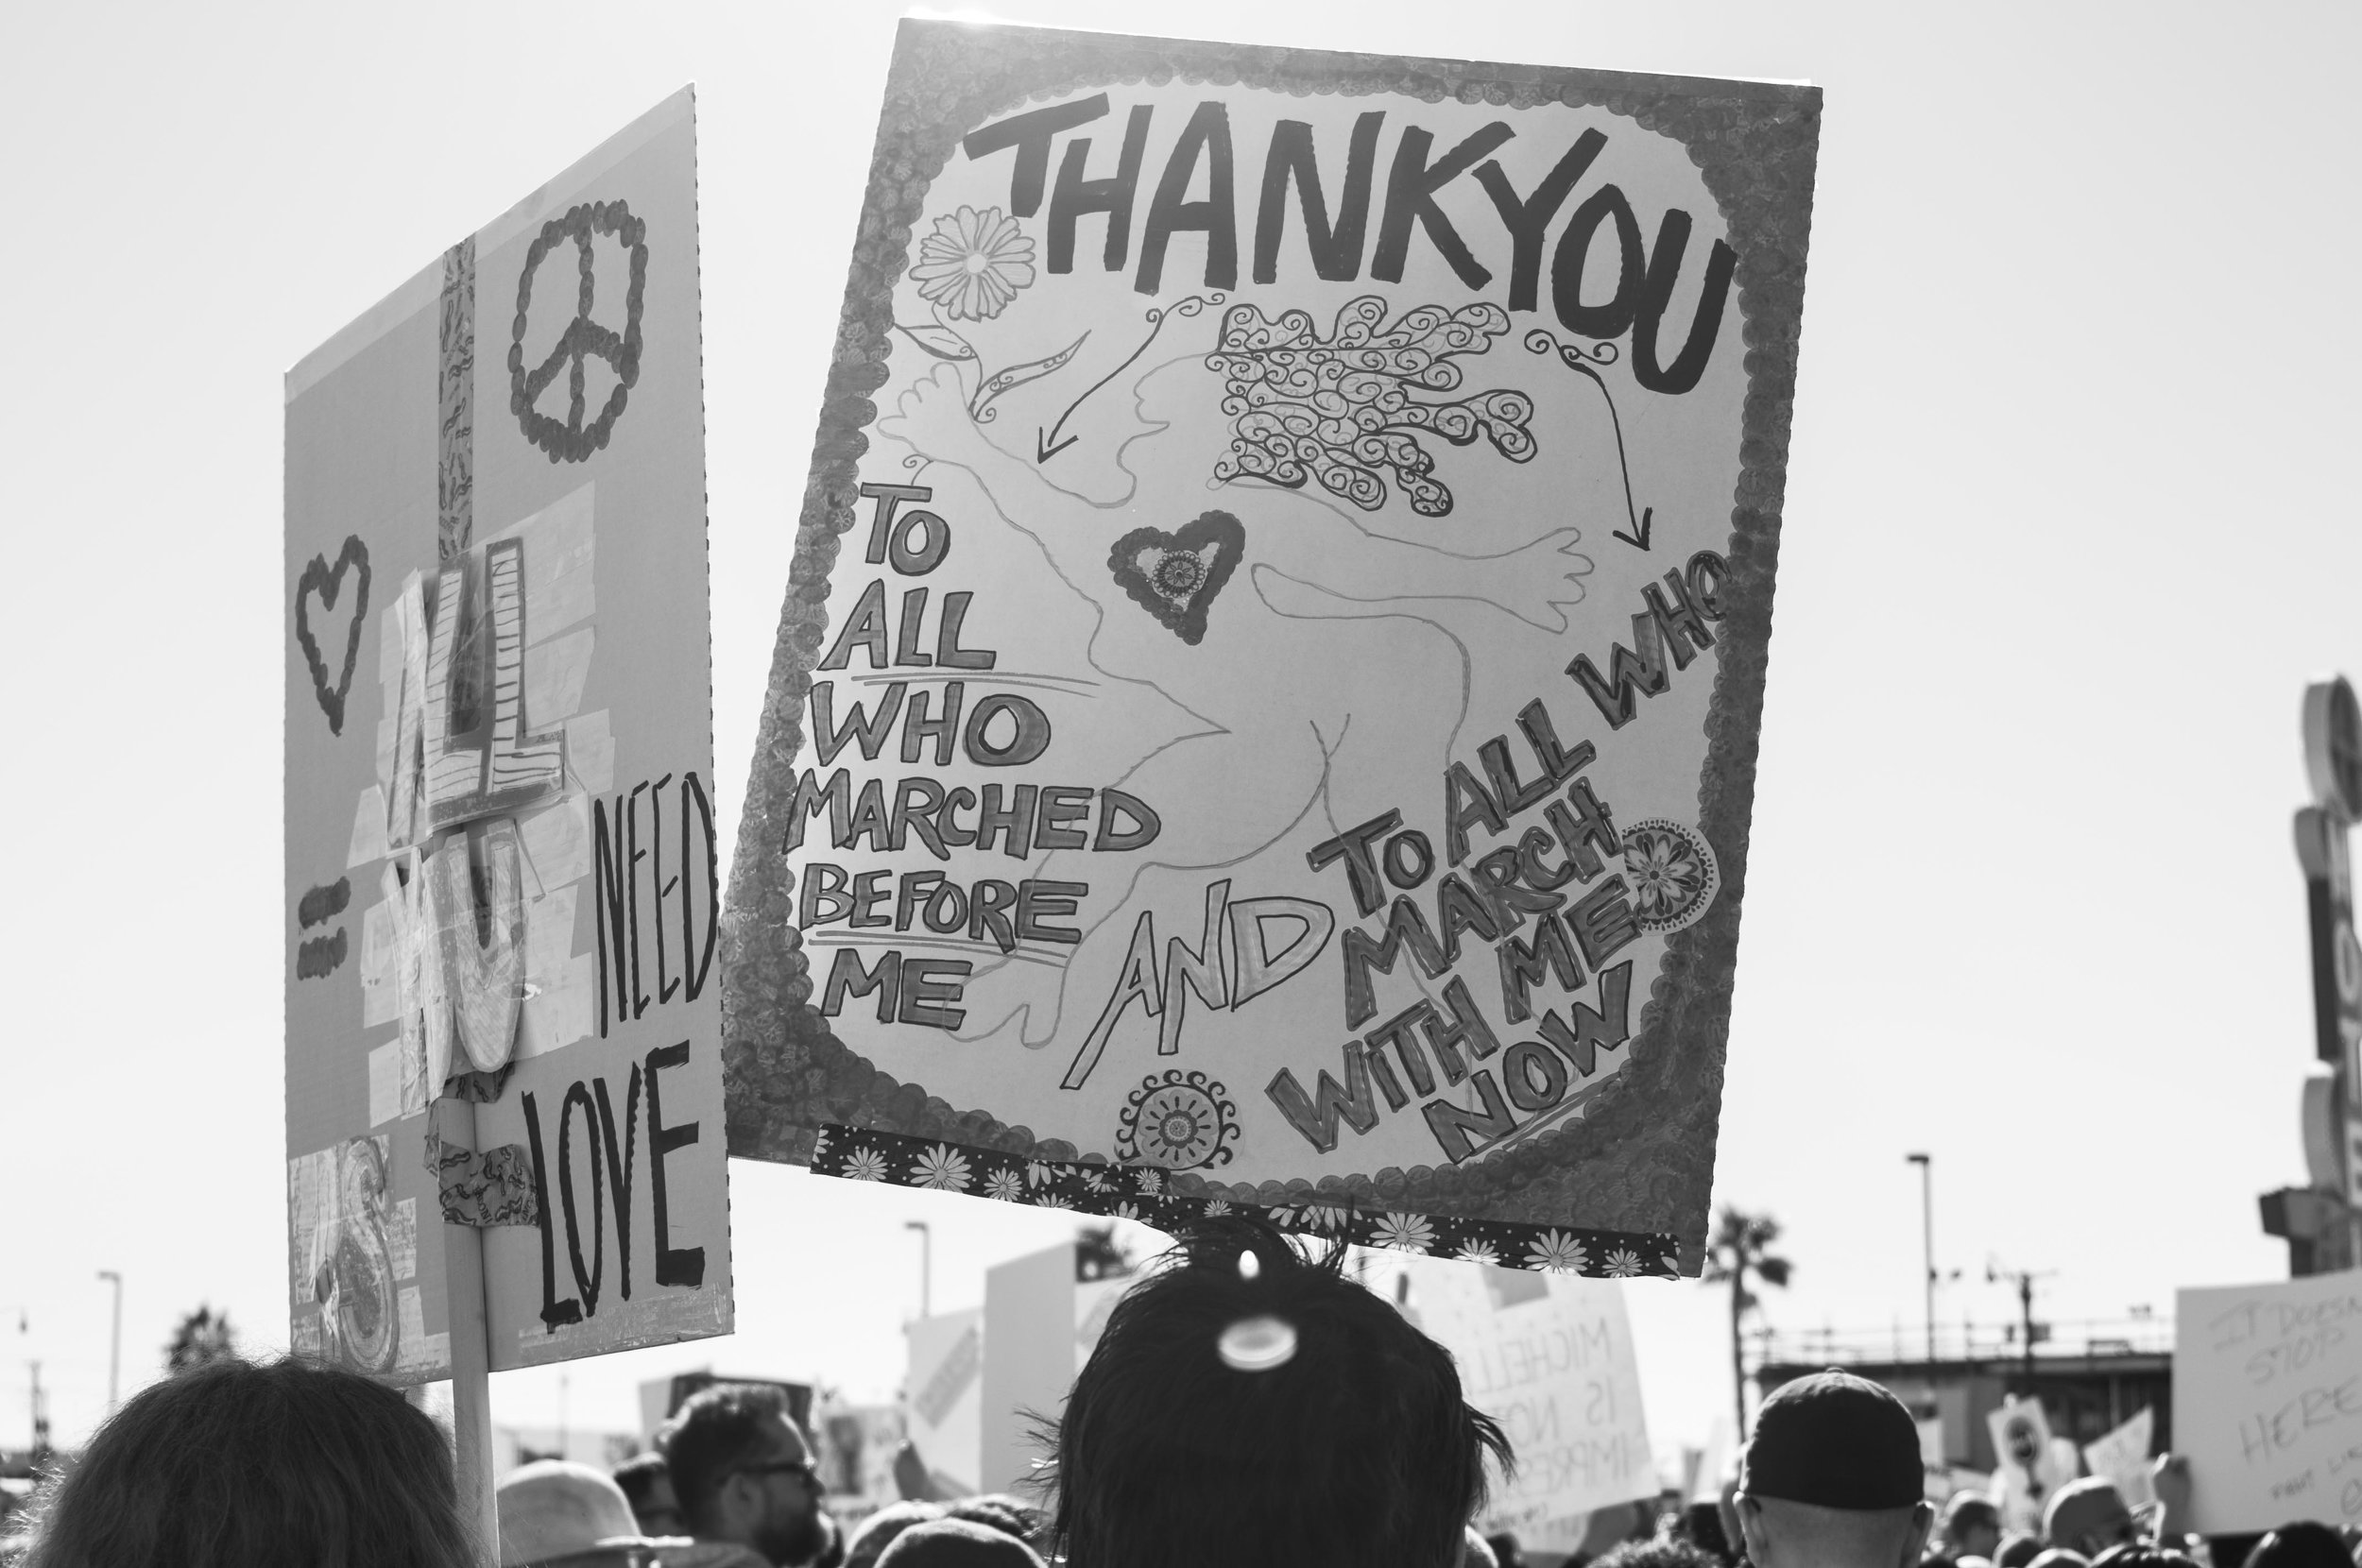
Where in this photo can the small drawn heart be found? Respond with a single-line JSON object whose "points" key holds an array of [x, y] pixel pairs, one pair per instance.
{"points": [[1177, 576], [328, 585]]}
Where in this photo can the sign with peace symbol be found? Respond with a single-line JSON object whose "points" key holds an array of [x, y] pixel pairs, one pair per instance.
{"points": [[572, 439]]}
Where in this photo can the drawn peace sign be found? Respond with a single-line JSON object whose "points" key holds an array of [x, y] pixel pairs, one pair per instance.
{"points": [[572, 440]]}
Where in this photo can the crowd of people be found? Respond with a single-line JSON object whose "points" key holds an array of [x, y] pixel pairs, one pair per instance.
{"points": [[1249, 1406]]}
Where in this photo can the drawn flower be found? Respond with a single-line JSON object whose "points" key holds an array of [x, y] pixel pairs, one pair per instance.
{"points": [[1217, 1208], [864, 1164], [1097, 1182], [1051, 1201], [1558, 1252], [973, 265], [942, 1168], [1668, 875], [1124, 1211], [1037, 1174], [1326, 1217], [1152, 1181], [1623, 1264], [1007, 1185], [1404, 1232], [1477, 1251]]}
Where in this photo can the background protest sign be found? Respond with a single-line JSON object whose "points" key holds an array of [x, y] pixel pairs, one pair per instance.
{"points": [[1551, 1358], [2121, 1456], [502, 988], [2268, 1402], [1269, 686]]}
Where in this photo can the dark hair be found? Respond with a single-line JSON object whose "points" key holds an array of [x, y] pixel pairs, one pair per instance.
{"points": [[1658, 1553], [637, 1476], [1966, 1511], [234, 1464], [2137, 1555], [1354, 1447], [998, 1510], [2301, 1545], [1702, 1523], [718, 1429], [2016, 1550]]}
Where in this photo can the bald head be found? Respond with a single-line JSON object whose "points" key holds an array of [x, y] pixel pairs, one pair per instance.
{"points": [[1784, 1534], [2088, 1516]]}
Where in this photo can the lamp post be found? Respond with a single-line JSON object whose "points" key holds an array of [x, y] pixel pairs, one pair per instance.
{"points": [[114, 1344], [926, 1266], [1928, 1233]]}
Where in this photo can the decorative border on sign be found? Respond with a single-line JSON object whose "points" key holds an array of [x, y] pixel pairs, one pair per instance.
{"points": [[1641, 1156], [1146, 1193]]}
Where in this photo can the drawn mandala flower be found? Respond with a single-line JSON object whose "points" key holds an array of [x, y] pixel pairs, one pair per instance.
{"points": [[1051, 1201], [1558, 1252], [1404, 1232], [1477, 1251], [1152, 1181], [1623, 1264], [1670, 877], [942, 1168], [1217, 1208], [974, 263], [1007, 1185], [864, 1164]]}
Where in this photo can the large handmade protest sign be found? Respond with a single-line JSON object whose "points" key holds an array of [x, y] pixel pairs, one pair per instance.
{"points": [[1268, 694], [2268, 1402], [502, 875]]}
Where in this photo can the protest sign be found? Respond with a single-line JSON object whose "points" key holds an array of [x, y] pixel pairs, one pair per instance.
{"points": [[940, 1401], [1268, 690], [2028, 1462], [1549, 1357], [2121, 1456], [2268, 1402], [502, 994]]}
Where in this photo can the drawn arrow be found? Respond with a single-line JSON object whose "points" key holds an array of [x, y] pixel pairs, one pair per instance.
{"points": [[1043, 450], [1046, 443], [1647, 515]]}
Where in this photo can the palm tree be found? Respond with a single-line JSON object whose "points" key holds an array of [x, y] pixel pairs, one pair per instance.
{"points": [[1738, 1248], [202, 1335]]}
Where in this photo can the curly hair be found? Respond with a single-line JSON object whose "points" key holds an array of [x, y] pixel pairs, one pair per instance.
{"points": [[281, 1464], [1354, 1447]]}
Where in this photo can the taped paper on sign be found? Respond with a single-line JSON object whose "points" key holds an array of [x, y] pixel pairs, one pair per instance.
{"points": [[368, 845], [559, 1014], [550, 937], [385, 1083], [555, 673], [402, 1238], [557, 841], [591, 752], [558, 551], [380, 1001]]}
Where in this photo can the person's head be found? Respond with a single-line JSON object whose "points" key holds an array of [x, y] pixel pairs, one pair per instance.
{"points": [[1661, 1553], [1972, 1525], [2145, 1556], [1702, 1524], [647, 1485], [1247, 1405], [957, 1543], [876, 1533], [2059, 1556], [554, 1514], [1832, 1478], [2301, 1545], [1507, 1551], [2016, 1551], [744, 1473], [2087, 1517], [998, 1510], [281, 1464]]}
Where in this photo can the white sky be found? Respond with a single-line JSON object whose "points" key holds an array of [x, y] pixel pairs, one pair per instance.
{"points": [[2065, 535]]}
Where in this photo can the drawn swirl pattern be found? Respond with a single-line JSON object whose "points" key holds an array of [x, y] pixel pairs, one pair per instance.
{"points": [[1341, 410], [1181, 1121], [572, 439]]}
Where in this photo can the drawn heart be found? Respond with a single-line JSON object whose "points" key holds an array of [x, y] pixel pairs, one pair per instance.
{"points": [[1176, 576], [318, 579]]}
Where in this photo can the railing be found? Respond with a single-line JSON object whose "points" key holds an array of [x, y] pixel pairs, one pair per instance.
{"points": [[1961, 1342]]}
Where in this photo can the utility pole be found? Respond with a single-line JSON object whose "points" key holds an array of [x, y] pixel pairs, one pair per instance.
{"points": [[926, 1266], [2024, 1279], [41, 1418], [115, 1345], [1927, 1233]]}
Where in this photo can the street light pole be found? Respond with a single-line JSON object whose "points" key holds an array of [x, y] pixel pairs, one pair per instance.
{"points": [[1927, 1233], [926, 1266], [115, 1345]]}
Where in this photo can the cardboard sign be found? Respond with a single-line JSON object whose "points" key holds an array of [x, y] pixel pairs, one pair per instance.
{"points": [[1270, 685], [1551, 1358], [2122, 1457], [2268, 1402], [2028, 1463], [501, 873]]}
